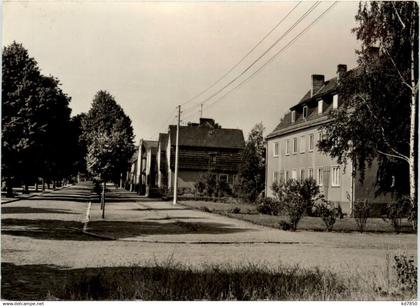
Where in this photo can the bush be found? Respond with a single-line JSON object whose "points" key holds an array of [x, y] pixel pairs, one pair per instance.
{"points": [[200, 185], [361, 214], [294, 200], [223, 188], [235, 210], [397, 210], [309, 190], [285, 226], [406, 273], [327, 211], [268, 206]]}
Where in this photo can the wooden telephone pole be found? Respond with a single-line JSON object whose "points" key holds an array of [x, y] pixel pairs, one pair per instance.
{"points": [[177, 157]]}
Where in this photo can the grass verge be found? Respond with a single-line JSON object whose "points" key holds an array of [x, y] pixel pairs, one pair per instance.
{"points": [[176, 282], [249, 213]]}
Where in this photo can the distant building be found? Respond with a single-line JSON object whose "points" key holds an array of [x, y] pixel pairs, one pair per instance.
{"points": [[203, 147], [292, 151]]}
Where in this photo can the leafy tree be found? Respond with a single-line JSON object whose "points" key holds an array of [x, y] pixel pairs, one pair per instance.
{"points": [[35, 118], [109, 136], [378, 115], [252, 169]]}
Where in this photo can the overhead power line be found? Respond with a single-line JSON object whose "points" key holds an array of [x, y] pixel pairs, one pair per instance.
{"points": [[243, 58], [291, 42], [297, 22]]}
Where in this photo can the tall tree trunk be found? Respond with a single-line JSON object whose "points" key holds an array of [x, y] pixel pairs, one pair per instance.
{"points": [[103, 200], [25, 188], [36, 186], [413, 118], [9, 188], [54, 185], [43, 184]]}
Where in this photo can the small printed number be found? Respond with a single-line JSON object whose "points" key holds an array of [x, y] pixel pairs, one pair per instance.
{"points": [[409, 303]]}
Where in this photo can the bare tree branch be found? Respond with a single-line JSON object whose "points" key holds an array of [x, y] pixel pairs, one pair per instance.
{"points": [[398, 15], [396, 153], [406, 159], [396, 68]]}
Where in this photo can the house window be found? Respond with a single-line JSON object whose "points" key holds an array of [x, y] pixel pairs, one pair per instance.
{"points": [[305, 112], [320, 177], [320, 104], [302, 144], [302, 175], [335, 101], [276, 149], [335, 176], [295, 145], [293, 116], [311, 142], [286, 176], [275, 176], [294, 174], [224, 178], [310, 173], [287, 146]]}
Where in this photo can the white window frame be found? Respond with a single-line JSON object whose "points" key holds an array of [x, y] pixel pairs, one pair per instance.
{"points": [[294, 177], [302, 177], [295, 147], [287, 149], [275, 176], [293, 118], [335, 101], [320, 176], [335, 176], [302, 144], [320, 106], [305, 112], [310, 172], [311, 144], [276, 149]]}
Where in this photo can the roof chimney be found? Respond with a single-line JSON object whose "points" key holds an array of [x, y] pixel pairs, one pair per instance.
{"points": [[317, 83], [341, 69]]}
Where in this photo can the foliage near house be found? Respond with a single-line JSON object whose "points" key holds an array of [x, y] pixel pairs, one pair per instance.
{"points": [[377, 119], [252, 169]]}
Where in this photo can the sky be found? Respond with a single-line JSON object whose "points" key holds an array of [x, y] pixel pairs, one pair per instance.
{"points": [[153, 56]]}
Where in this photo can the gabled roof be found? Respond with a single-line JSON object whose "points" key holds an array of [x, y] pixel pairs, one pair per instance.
{"points": [[328, 87], [205, 137]]}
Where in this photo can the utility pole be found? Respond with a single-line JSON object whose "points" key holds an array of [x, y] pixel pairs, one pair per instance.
{"points": [[201, 110], [177, 157]]}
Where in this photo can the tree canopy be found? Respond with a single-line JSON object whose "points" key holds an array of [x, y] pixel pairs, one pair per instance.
{"points": [[35, 120], [109, 137], [379, 96], [252, 169]]}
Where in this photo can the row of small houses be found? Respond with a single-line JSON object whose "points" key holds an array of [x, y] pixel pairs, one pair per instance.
{"points": [[291, 152]]}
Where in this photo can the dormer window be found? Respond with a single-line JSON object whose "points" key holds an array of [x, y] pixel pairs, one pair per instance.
{"points": [[335, 101], [293, 119], [320, 104], [305, 112]]}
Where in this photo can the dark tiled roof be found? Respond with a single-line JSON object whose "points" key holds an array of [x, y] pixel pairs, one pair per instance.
{"points": [[313, 118], [328, 87], [163, 140], [204, 137]]}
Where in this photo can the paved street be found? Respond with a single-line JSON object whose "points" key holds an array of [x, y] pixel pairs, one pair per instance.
{"points": [[47, 230]]}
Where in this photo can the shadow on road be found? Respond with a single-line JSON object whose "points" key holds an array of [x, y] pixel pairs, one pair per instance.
{"points": [[45, 229], [31, 210], [121, 229]]}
